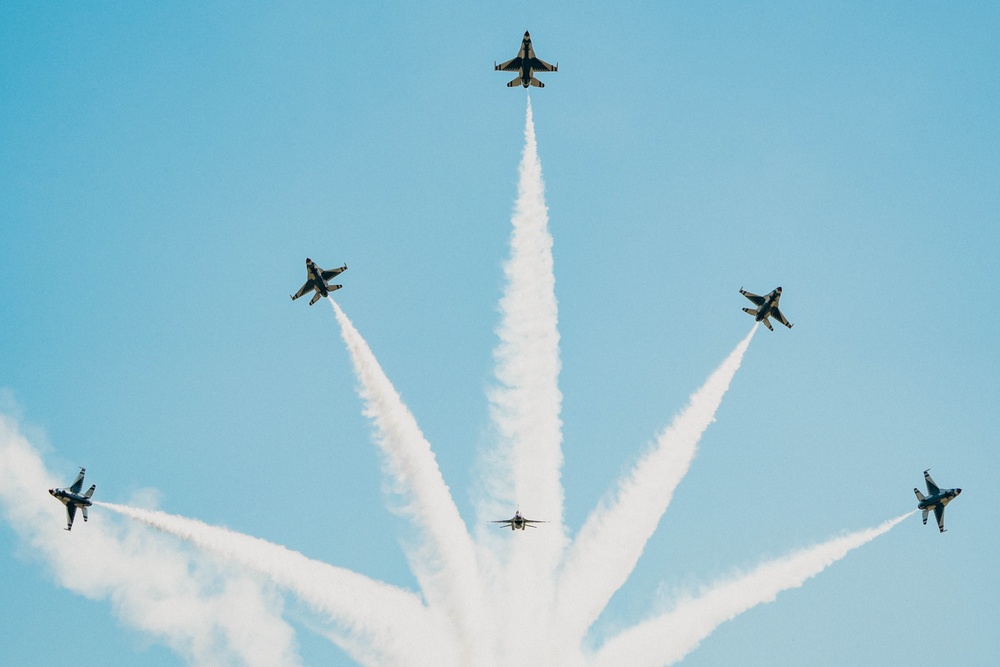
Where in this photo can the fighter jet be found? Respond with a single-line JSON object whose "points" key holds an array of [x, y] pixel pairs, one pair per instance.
{"points": [[72, 499], [316, 279], [519, 522], [524, 64], [936, 501], [767, 306]]}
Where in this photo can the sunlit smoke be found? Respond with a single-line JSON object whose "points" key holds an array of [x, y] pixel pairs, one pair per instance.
{"points": [[207, 615], [504, 599], [383, 624], [612, 539], [665, 639], [445, 560], [525, 409]]}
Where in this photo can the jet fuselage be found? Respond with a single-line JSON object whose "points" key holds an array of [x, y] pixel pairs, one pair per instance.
{"points": [[942, 499], [770, 302], [67, 497]]}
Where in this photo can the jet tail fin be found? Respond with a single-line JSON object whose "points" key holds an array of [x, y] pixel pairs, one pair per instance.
{"points": [[920, 496], [88, 494]]}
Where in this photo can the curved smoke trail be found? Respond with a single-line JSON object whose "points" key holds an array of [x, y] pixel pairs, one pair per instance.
{"points": [[611, 541], [446, 563], [207, 615], [667, 638], [383, 623]]}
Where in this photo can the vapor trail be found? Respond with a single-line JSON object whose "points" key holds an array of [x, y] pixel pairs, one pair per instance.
{"points": [[667, 638], [207, 615], [612, 539], [526, 405], [525, 408], [446, 563], [383, 624]]}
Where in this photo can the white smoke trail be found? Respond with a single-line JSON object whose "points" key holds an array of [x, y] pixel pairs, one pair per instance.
{"points": [[383, 624], [207, 615], [666, 639], [445, 564], [525, 408], [611, 541]]}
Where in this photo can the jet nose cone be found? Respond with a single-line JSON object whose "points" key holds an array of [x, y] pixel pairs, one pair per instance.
{"points": [[958, 491], [526, 34], [52, 492]]}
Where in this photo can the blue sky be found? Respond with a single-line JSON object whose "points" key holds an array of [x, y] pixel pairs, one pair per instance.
{"points": [[166, 169]]}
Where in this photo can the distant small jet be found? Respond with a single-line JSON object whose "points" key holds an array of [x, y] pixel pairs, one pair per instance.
{"points": [[72, 499], [519, 522], [524, 64], [936, 501], [767, 306], [316, 279]]}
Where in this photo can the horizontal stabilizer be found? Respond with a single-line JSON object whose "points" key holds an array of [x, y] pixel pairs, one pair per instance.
{"points": [[750, 311], [333, 288], [536, 83], [515, 82], [84, 513], [920, 496], [925, 517], [88, 494], [316, 297]]}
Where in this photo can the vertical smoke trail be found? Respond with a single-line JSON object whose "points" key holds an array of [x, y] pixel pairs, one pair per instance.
{"points": [[666, 639], [525, 409], [526, 406], [446, 562], [384, 624], [612, 540]]}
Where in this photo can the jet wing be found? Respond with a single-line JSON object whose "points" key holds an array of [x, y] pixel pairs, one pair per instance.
{"points": [[540, 65], [939, 515], [330, 273], [305, 288], [78, 483], [512, 65], [776, 314], [932, 488], [70, 515], [757, 299]]}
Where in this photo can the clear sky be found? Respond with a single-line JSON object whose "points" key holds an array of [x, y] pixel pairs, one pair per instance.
{"points": [[166, 168]]}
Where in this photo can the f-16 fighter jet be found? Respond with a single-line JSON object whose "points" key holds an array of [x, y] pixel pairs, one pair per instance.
{"points": [[524, 64], [316, 279], [519, 522], [767, 306], [936, 500], [72, 499]]}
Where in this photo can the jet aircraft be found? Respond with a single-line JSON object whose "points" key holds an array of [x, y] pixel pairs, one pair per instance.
{"points": [[519, 522], [72, 499], [936, 500], [767, 306], [524, 64], [316, 279]]}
